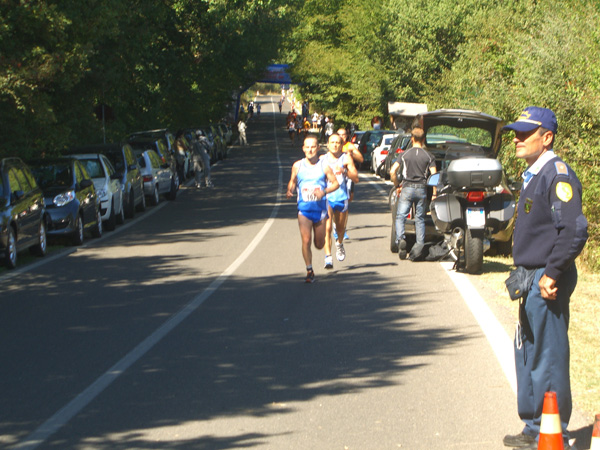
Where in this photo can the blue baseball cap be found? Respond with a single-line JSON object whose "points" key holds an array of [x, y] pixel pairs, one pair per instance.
{"points": [[534, 117]]}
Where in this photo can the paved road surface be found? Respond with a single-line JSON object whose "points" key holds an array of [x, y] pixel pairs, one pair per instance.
{"points": [[191, 328]]}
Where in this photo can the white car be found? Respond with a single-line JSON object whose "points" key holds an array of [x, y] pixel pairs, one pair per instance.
{"points": [[381, 151], [108, 187]]}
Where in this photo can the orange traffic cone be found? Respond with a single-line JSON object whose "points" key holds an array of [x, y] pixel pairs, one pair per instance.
{"points": [[595, 445], [550, 429]]}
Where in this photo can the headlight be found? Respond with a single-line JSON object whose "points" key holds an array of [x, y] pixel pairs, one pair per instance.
{"points": [[64, 198], [101, 193]]}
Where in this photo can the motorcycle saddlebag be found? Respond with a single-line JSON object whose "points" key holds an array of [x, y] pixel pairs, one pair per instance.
{"points": [[445, 209], [475, 173]]}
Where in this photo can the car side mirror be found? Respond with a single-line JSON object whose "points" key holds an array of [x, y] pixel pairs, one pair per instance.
{"points": [[433, 180], [86, 183], [132, 167]]}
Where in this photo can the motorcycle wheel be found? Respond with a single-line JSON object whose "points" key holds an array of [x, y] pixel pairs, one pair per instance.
{"points": [[473, 251]]}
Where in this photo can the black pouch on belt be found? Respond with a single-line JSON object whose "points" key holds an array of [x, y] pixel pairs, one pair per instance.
{"points": [[519, 282]]}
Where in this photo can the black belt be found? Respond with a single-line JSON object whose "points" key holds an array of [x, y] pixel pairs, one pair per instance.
{"points": [[415, 185]]}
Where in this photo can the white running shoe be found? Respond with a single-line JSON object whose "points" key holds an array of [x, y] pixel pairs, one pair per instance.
{"points": [[328, 262], [340, 253]]}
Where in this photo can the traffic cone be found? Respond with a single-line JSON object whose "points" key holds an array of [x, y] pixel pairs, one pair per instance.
{"points": [[550, 429], [595, 445]]}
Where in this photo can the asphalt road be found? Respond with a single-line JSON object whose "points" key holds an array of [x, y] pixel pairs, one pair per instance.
{"points": [[190, 327]]}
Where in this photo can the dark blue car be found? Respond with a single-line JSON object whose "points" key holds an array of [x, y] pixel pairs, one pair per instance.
{"points": [[70, 198]]}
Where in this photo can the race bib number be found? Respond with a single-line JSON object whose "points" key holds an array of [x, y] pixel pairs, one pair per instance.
{"points": [[309, 193]]}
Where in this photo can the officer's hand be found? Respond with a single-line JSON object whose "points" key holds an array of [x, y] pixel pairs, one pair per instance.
{"points": [[548, 287]]}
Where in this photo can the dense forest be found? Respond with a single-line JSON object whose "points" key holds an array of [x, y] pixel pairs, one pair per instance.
{"points": [[180, 62]]}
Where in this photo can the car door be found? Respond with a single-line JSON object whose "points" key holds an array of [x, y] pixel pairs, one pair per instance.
{"points": [[25, 206], [86, 195], [161, 170], [115, 184]]}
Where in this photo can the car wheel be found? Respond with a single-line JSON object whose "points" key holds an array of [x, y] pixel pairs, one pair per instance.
{"points": [[130, 213], [142, 206], [473, 250], [111, 223], [173, 191], [97, 230], [155, 197], [10, 256], [41, 247], [77, 238], [121, 215]]}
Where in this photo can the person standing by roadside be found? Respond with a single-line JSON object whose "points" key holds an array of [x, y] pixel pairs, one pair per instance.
{"points": [[201, 160], [414, 164], [550, 232], [242, 130], [310, 178], [342, 165]]}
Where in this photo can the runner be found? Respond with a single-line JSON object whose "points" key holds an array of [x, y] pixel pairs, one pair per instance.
{"points": [[310, 178], [351, 149], [343, 167]]}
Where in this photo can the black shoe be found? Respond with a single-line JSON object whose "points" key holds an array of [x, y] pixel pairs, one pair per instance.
{"points": [[402, 249], [520, 440], [310, 276]]}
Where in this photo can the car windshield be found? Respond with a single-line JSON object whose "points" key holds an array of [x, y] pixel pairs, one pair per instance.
{"points": [[53, 175], [93, 167], [452, 135], [116, 160]]}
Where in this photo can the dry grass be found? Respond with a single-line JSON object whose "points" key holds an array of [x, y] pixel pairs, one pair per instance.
{"points": [[583, 331]]}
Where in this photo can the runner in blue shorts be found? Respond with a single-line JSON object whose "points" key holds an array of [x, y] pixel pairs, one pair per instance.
{"points": [[343, 167], [313, 181]]}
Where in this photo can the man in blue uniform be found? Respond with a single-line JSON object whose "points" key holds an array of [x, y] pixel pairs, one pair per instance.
{"points": [[314, 181], [550, 232]]}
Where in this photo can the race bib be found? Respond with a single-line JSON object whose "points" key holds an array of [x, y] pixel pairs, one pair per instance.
{"points": [[309, 193]]}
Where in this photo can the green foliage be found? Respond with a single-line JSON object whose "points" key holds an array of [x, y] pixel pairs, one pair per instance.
{"points": [[172, 63]]}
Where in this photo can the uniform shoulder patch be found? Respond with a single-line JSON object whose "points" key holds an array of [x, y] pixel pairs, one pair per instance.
{"points": [[564, 191], [561, 168]]}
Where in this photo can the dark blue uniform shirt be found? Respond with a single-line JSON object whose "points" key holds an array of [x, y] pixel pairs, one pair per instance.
{"points": [[551, 229]]}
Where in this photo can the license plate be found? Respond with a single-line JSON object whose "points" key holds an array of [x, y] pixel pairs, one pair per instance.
{"points": [[476, 217]]}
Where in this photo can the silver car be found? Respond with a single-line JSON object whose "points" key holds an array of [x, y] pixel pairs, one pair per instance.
{"points": [[158, 176]]}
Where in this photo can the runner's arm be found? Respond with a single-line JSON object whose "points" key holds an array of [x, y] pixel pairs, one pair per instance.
{"points": [[293, 180], [351, 171]]}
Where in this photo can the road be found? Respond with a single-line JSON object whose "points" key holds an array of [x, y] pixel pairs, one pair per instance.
{"points": [[190, 327]]}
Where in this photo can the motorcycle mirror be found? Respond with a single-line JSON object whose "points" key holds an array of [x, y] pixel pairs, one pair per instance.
{"points": [[433, 180]]}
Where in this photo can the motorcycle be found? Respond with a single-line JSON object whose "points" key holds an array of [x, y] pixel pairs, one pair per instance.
{"points": [[474, 208]]}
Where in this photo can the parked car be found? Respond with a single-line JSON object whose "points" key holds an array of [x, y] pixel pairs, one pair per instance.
{"points": [[380, 152], [70, 198], [159, 145], [369, 140], [475, 206], [166, 151], [159, 178], [125, 163], [108, 187], [22, 213], [227, 132], [399, 144]]}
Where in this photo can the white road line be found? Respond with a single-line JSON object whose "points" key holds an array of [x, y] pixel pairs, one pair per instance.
{"points": [[65, 414], [500, 342]]}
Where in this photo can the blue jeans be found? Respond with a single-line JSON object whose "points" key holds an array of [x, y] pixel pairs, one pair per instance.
{"points": [[408, 196]]}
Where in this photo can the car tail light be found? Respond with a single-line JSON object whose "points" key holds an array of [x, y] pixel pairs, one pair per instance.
{"points": [[475, 196], [384, 152], [147, 178], [399, 150]]}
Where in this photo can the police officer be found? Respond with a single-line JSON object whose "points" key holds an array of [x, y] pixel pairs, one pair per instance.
{"points": [[550, 232]]}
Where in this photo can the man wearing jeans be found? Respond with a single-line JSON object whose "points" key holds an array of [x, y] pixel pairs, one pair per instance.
{"points": [[414, 164]]}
